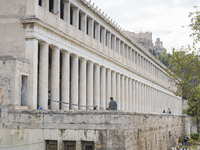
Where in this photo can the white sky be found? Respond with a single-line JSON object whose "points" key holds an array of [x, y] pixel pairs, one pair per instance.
{"points": [[164, 18]]}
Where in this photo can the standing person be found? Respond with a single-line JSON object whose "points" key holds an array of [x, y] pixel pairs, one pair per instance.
{"points": [[112, 104], [185, 142]]}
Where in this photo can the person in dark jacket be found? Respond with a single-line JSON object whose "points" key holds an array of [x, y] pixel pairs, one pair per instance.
{"points": [[112, 104], [185, 140]]}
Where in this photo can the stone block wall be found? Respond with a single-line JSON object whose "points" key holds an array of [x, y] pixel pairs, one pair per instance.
{"points": [[11, 70], [109, 130]]}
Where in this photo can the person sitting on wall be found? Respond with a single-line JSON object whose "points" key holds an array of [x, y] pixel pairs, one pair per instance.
{"points": [[112, 104], [163, 111], [95, 107]]}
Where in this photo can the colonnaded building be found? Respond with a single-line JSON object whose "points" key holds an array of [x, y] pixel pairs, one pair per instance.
{"points": [[59, 59]]}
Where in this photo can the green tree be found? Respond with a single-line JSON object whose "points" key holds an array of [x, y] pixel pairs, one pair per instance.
{"points": [[184, 67]]}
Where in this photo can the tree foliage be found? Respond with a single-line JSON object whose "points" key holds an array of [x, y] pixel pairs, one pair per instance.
{"points": [[184, 67]]}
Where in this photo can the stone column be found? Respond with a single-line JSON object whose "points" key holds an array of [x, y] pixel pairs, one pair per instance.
{"points": [[126, 94], [56, 7], [74, 82], [83, 23], [131, 55], [43, 3], [118, 99], [136, 61], [82, 98], [43, 75], [139, 97], [142, 98], [103, 88], [114, 43], [65, 80], [109, 40], [130, 95], [104, 36], [152, 101], [76, 17], [139, 64], [134, 98], [145, 98], [133, 58], [55, 78], [47, 5], [153, 109], [98, 32], [122, 50], [32, 55], [113, 91], [90, 69], [92, 28], [67, 12], [108, 86], [122, 97], [96, 85], [85, 26]]}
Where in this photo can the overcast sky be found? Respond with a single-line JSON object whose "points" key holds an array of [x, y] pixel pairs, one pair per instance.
{"points": [[164, 18]]}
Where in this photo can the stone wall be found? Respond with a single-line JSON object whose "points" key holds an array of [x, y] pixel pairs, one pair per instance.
{"points": [[11, 70], [109, 130]]}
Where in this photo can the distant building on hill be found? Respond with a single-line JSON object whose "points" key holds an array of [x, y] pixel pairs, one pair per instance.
{"points": [[145, 39]]}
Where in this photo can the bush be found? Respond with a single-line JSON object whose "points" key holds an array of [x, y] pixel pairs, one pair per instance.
{"points": [[195, 136]]}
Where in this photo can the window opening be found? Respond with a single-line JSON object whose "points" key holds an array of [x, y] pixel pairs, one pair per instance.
{"points": [[51, 145], [101, 32], [71, 15], [69, 145], [94, 31], [86, 145], [79, 21], [87, 26], [24, 90]]}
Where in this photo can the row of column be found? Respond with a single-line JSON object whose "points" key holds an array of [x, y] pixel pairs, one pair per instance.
{"points": [[87, 84], [83, 22]]}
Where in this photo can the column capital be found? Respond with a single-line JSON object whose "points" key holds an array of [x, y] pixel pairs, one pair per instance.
{"points": [[108, 69], [103, 67], [82, 58], [118, 73], [43, 42], [67, 1], [74, 55], [90, 62], [64, 51], [95, 64], [54, 47]]}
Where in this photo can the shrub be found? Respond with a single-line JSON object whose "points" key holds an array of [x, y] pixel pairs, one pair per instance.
{"points": [[195, 136]]}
